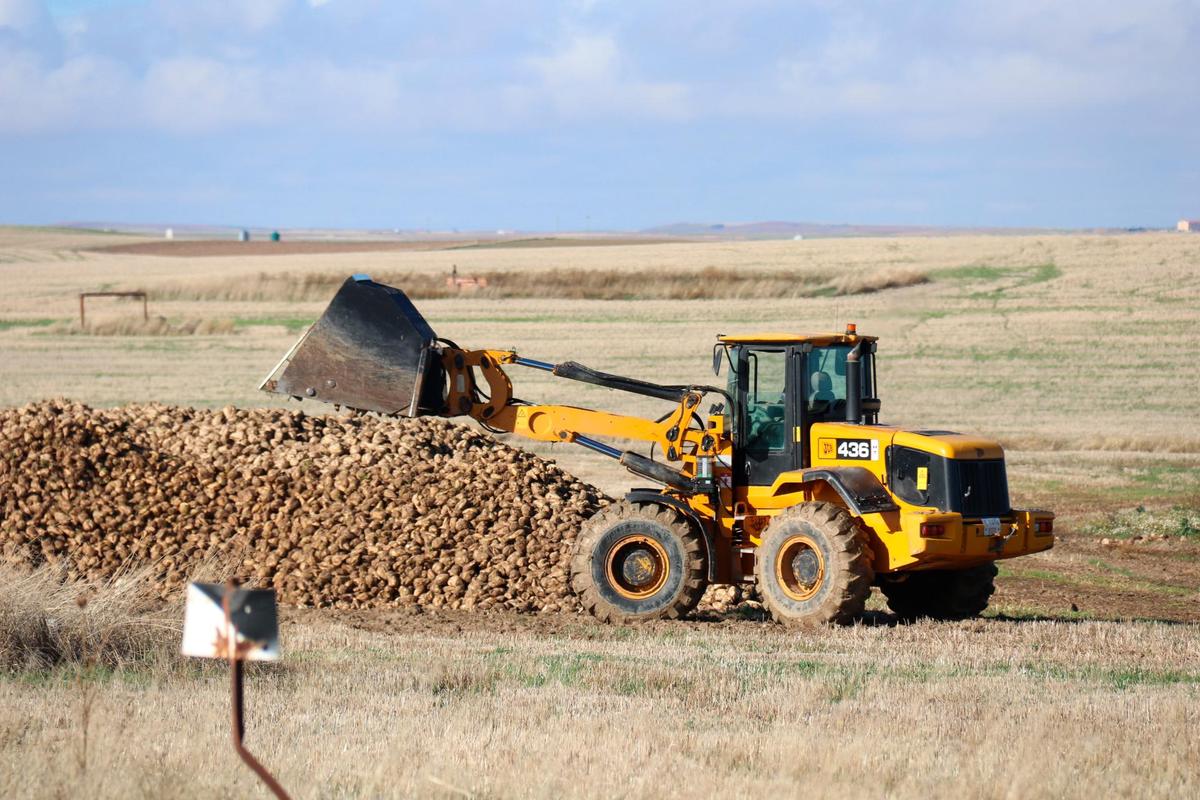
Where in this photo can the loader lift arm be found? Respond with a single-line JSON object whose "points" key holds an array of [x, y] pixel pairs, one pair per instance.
{"points": [[373, 351], [498, 409]]}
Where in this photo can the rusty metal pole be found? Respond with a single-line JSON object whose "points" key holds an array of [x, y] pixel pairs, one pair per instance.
{"points": [[237, 694], [239, 706], [81, 296]]}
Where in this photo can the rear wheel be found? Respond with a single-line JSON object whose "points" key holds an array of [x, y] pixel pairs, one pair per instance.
{"points": [[636, 561], [813, 567], [942, 594]]}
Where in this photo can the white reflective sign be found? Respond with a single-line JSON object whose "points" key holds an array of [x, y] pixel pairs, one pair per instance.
{"points": [[254, 623]]}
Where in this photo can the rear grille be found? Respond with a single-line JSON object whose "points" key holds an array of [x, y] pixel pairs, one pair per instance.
{"points": [[979, 488], [972, 488]]}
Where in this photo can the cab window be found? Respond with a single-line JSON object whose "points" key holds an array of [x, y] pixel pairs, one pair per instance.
{"points": [[766, 397]]}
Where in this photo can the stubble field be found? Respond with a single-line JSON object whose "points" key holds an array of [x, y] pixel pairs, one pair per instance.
{"points": [[1076, 352]]}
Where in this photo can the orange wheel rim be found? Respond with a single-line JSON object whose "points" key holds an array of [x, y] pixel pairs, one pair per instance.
{"points": [[800, 567], [637, 566]]}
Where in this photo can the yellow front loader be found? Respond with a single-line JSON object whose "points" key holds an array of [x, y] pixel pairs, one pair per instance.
{"points": [[787, 481]]}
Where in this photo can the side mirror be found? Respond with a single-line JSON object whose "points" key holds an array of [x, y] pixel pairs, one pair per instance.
{"points": [[718, 351]]}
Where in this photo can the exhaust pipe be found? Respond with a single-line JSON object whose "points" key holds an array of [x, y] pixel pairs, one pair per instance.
{"points": [[854, 385]]}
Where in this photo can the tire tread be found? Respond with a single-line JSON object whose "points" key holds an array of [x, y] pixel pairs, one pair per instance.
{"points": [[695, 579], [853, 569]]}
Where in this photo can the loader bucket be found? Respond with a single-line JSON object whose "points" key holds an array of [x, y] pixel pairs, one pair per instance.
{"points": [[371, 350]]}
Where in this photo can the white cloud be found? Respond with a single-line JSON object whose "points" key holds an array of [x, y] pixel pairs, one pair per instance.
{"points": [[916, 69], [22, 16], [249, 16], [85, 90], [197, 94], [588, 77], [992, 62], [584, 61]]}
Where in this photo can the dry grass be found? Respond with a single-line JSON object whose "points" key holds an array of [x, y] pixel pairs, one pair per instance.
{"points": [[423, 708], [1114, 442], [711, 283], [46, 622], [868, 282], [136, 326]]}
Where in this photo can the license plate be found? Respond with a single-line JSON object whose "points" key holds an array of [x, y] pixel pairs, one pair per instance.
{"points": [[991, 526]]}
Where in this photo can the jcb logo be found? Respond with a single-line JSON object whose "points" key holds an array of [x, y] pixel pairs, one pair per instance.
{"points": [[828, 448]]}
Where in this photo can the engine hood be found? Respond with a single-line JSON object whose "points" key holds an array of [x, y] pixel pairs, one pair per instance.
{"points": [[963, 446]]}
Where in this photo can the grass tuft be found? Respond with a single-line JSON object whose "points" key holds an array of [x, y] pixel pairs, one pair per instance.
{"points": [[47, 622], [155, 326], [1141, 522], [7, 324], [1021, 276], [710, 283]]}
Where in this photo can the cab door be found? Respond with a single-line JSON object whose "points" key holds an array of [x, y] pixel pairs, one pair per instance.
{"points": [[768, 383]]}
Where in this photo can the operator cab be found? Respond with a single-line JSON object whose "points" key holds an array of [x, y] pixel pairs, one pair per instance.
{"points": [[783, 383]]}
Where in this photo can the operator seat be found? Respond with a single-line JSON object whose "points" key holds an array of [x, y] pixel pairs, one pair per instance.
{"points": [[822, 392], [766, 424]]}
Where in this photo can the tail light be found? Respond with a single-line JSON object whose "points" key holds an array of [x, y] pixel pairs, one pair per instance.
{"points": [[932, 530], [1044, 526]]}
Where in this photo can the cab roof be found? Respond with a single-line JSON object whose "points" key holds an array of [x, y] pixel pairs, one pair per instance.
{"points": [[817, 339]]}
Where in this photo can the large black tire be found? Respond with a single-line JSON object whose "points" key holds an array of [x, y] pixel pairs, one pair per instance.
{"points": [[941, 594], [636, 562], [813, 566]]}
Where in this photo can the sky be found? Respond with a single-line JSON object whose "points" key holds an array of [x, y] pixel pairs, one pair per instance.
{"points": [[595, 115]]}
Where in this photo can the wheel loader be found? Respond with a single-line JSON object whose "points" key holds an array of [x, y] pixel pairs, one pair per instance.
{"points": [[787, 481]]}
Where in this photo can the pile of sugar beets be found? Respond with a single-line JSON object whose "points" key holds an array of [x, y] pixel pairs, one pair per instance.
{"points": [[342, 511]]}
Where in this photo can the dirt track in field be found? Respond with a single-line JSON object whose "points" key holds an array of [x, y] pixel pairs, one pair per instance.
{"points": [[206, 248], [223, 247], [1123, 580]]}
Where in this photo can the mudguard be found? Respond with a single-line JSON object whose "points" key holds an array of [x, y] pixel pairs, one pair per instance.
{"points": [[857, 486]]}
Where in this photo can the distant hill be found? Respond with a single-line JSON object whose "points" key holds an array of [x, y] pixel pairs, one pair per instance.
{"points": [[788, 230], [773, 229]]}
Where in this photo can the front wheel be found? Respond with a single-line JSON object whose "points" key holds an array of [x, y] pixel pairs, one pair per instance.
{"points": [[636, 561], [813, 567]]}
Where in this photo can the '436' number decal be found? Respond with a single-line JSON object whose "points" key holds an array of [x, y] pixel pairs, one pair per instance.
{"points": [[850, 449]]}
